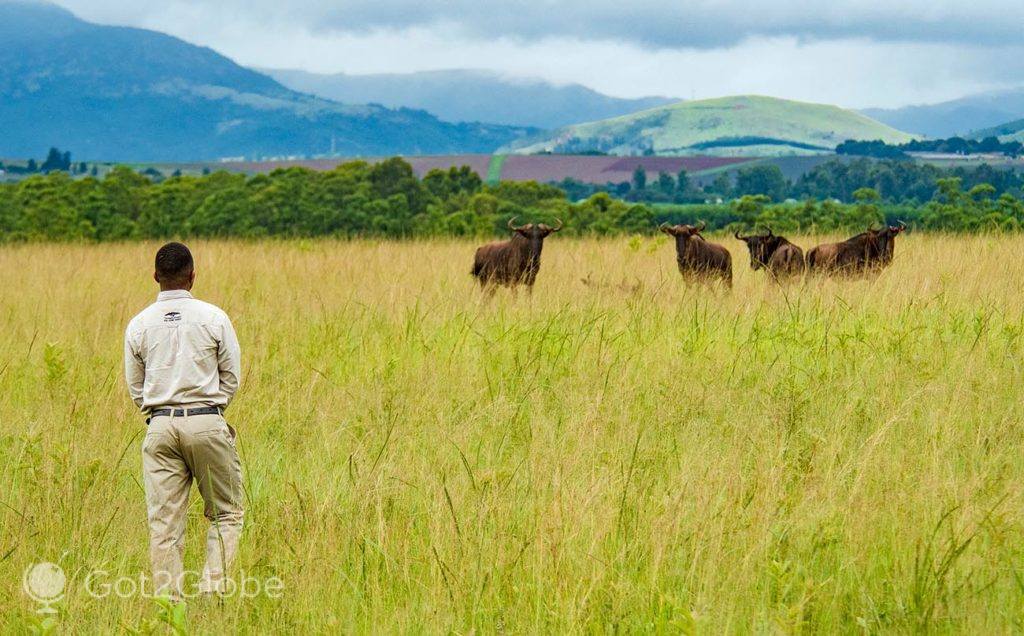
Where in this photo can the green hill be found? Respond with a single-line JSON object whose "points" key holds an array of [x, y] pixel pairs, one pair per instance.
{"points": [[1010, 131], [744, 125]]}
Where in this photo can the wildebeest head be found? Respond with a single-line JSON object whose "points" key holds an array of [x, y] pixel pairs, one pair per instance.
{"points": [[887, 241], [535, 233], [682, 231], [761, 247]]}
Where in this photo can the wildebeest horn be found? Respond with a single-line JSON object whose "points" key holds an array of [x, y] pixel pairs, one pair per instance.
{"points": [[664, 224], [510, 225], [560, 224], [901, 225], [769, 230], [737, 235], [702, 226]]}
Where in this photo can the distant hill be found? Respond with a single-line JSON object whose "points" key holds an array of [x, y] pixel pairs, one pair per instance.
{"points": [[137, 95], [955, 117], [1009, 131], [746, 125], [469, 95]]}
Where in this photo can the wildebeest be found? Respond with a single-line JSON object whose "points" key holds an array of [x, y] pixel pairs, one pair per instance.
{"points": [[871, 250], [697, 258], [887, 242], [515, 261], [855, 255], [780, 257]]}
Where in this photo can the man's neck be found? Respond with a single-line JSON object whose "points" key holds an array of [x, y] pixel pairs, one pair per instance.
{"points": [[174, 292]]}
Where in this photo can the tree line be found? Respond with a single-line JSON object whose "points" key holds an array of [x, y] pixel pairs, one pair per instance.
{"points": [[387, 199], [897, 182], [55, 160], [951, 145], [953, 209]]}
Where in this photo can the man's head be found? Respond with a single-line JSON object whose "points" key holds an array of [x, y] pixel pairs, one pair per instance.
{"points": [[174, 267]]}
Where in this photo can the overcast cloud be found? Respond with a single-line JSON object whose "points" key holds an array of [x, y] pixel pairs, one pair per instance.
{"points": [[852, 52]]}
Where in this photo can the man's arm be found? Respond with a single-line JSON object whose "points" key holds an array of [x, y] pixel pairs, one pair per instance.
{"points": [[134, 368], [229, 359]]}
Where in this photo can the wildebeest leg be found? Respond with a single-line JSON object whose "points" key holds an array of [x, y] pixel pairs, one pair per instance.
{"points": [[727, 279], [488, 288]]}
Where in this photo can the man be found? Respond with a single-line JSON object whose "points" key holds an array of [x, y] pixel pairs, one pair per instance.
{"points": [[182, 369]]}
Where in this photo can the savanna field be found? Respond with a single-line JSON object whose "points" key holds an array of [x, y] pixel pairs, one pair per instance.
{"points": [[625, 454]]}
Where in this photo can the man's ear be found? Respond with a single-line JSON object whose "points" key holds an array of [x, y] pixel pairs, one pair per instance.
{"points": [[192, 278], [156, 278]]}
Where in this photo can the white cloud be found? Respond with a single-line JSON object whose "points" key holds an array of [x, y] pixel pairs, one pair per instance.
{"points": [[652, 23], [852, 52]]}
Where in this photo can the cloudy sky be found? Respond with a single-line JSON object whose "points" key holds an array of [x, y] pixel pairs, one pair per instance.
{"points": [[855, 53]]}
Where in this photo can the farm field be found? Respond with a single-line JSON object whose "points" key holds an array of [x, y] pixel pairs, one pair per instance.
{"points": [[625, 454]]}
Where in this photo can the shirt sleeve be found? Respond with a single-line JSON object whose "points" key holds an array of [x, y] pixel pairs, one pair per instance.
{"points": [[134, 368], [229, 360]]}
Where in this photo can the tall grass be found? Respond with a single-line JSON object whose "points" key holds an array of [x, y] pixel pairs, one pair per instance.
{"points": [[628, 454]]}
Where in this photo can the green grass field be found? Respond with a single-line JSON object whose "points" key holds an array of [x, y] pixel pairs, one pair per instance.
{"points": [[628, 455], [494, 169]]}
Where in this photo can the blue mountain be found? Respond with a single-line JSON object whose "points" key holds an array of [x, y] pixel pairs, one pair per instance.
{"points": [[471, 95], [955, 117], [127, 94]]}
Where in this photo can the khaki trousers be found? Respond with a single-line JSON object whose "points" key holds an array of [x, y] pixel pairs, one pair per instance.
{"points": [[176, 450]]}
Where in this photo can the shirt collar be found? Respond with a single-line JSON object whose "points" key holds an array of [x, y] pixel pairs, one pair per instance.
{"points": [[173, 294]]}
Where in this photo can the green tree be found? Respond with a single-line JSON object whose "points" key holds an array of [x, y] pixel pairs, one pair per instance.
{"points": [[866, 212], [766, 179], [749, 208], [722, 185], [683, 182], [395, 177], [53, 161], [666, 184], [446, 183], [639, 178]]}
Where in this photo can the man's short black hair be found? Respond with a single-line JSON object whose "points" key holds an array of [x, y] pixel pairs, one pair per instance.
{"points": [[173, 263]]}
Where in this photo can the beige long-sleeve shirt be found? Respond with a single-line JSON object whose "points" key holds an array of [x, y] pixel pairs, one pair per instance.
{"points": [[180, 351]]}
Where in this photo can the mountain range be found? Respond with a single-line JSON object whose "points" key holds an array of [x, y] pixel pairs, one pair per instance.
{"points": [[955, 117], [470, 95], [745, 125], [129, 94], [137, 95]]}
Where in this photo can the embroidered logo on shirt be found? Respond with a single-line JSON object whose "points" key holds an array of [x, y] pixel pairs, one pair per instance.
{"points": [[172, 316]]}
